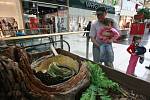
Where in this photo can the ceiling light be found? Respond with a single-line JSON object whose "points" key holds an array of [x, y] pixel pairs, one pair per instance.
{"points": [[7, 3]]}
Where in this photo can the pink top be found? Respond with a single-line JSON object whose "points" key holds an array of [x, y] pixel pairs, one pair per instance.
{"points": [[108, 35]]}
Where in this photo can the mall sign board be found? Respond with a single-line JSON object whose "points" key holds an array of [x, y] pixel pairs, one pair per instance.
{"points": [[90, 5]]}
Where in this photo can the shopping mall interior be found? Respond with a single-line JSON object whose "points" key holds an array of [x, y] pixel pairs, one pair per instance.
{"points": [[49, 50]]}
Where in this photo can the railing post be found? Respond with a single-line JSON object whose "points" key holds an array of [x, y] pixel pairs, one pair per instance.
{"points": [[87, 45], [61, 41]]}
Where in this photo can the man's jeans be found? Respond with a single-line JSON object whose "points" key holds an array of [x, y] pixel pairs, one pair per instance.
{"points": [[98, 58], [96, 53], [106, 53]]}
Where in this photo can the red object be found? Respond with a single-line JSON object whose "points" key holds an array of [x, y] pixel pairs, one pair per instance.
{"points": [[139, 16], [33, 23], [131, 48], [137, 29]]}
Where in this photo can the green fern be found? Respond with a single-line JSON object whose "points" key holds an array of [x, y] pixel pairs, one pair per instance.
{"points": [[100, 84]]}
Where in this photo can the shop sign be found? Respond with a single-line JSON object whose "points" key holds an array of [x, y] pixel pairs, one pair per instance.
{"points": [[139, 16], [90, 5], [95, 5]]}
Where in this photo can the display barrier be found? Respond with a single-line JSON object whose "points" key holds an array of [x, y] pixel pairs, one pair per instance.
{"points": [[137, 85], [130, 82], [22, 39], [41, 35]]}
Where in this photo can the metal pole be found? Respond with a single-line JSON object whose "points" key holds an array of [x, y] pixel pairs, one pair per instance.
{"points": [[87, 46], [68, 15], [61, 39]]}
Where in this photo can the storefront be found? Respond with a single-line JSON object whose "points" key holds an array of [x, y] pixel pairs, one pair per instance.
{"points": [[125, 21], [10, 17], [83, 11], [128, 10], [45, 16]]}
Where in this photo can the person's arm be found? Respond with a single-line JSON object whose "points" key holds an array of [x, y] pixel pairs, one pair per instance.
{"points": [[92, 34], [130, 48], [116, 34], [116, 26], [94, 41]]}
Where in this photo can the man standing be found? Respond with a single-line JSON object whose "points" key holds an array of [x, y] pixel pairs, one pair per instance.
{"points": [[96, 26]]}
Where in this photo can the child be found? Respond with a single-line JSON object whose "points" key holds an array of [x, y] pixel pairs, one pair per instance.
{"points": [[134, 56], [107, 35]]}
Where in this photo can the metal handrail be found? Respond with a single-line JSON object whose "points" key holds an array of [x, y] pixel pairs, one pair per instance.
{"points": [[25, 47], [31, 37], [41, 35], [23, 29]]}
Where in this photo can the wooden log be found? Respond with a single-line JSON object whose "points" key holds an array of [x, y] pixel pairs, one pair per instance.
{"points": [[26, 85]]}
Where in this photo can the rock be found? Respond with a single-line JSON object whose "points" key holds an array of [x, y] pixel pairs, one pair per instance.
{"points": [[123, 99]]}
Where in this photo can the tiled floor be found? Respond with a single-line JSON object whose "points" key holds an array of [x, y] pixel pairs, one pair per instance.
{"points": [[78, 46]]}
